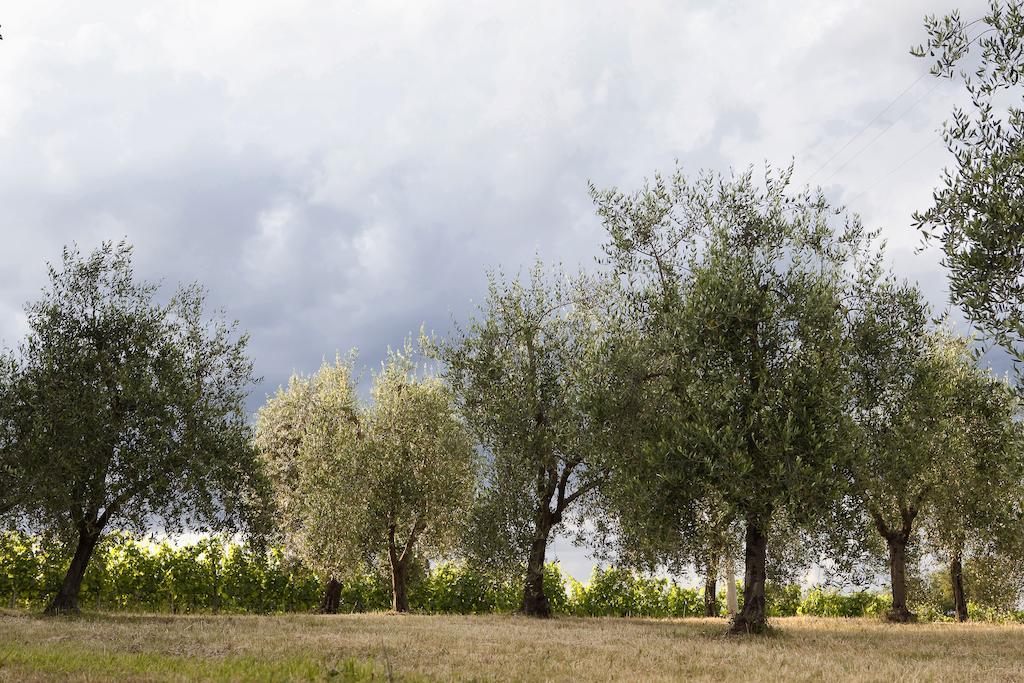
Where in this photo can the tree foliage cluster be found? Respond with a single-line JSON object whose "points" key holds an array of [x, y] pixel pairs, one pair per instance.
{"points": [[978, 209], [119, 410]]}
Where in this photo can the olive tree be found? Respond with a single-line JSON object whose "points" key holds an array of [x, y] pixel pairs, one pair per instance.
{"points": [[324, 402], [979, 207], [365, 485], [975, 511], [520, 372], [894, 420], [128, 411], [995, 579], [738, 290], [931, 445]]}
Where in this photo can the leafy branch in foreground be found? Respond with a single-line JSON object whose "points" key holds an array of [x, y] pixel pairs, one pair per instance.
{"points": [[977, 211]]}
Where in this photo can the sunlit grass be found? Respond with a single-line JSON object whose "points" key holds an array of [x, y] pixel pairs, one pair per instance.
{"points": [[370, 646]]}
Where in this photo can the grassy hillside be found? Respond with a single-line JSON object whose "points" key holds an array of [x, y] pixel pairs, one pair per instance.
{"points": [[370, 646]]}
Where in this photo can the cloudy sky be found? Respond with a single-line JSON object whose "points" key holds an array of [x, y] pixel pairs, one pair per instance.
{"points": [[339, 174]]}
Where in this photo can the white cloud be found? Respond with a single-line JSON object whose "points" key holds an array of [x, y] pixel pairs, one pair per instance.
{"points": [[468, 129]]}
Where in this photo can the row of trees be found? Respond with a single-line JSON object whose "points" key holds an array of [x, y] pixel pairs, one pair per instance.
{"points": [[744, 364], [741, 370]]}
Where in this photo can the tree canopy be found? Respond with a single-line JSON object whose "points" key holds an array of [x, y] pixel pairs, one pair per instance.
{"points": [[974, 513]]}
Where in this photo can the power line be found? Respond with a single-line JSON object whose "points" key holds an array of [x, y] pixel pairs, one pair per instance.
{"points": [[868, 125], [908, 159], [900, 165], [883, 131], [879, 115]]}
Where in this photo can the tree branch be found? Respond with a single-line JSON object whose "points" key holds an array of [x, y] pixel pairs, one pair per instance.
{"points": [[583, 490], [417, 527]]}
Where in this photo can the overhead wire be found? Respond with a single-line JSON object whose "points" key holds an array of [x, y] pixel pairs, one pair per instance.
{"points": [[867, 126], [888, 127], [882, 132], [881, 113], [907, 160]]}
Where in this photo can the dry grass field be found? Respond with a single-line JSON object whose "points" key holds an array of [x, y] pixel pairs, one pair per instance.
{"points": [[386, 646]]}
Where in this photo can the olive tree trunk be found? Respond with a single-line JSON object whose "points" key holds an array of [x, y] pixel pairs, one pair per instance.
{"points": [[753, 618], [711, 587], [898, 576], [897, 539], [400, 560], [400, 584], [535, 602], [66, 600], [956, 576], [332, 597], [552, 486]]}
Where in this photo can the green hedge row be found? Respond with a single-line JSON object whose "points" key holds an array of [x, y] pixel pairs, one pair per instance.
{"points": [[210, 575], [127, 573]]}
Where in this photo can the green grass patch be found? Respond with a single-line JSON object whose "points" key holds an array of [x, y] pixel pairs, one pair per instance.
{"points": [[20, 661]]}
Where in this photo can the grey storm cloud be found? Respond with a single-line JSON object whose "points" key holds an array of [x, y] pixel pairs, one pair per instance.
{"points": [[339, 174]]}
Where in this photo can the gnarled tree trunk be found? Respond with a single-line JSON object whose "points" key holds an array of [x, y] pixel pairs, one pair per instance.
{"points": [[535, 602], [400, 565], [897, 540], [399, 584], [956, 576], [66, 599], [898, 576], [753, 618], [332, 597]]}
